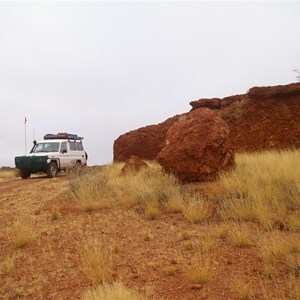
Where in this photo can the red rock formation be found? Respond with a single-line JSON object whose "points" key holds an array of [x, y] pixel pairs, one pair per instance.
{"points": [[133, 164], [197, 147], [145, 142], [264, 118], [271, 92], [214, 103]]}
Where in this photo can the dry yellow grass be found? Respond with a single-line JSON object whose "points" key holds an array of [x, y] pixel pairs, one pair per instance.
{"points": [[242, 288], [185, 235], [115, 291], [279, 249], [293, 220], [222, 231], [264, 186], [96, 261], [54, 213], [170, 270], [149, 187], [196, 209], [7, 264], [272, 247], [189, 244], [238, 210], [239, 235], [174, 204], [21, 232], [90, 190], [278, 291], [208, 244], [201, 269], [115, 247], [8, 173], [295, 287], [151, 212]]}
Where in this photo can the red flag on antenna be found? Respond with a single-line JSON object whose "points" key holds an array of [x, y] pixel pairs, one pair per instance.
{"points": [[25, 121]]}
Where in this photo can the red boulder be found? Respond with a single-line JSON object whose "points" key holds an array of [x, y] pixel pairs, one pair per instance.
{"points": [[133, 164], [197, 147]]}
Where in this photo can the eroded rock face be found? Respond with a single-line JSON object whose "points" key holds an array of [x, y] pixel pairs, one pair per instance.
{"points": [[133, 164], [264, 118], [197, 147], [145, 142], [214, 103]]}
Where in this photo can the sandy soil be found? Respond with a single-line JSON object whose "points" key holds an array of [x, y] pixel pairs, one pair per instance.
{"points": [[49, 267]]}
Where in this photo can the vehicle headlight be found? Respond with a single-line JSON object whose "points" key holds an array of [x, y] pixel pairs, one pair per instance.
{"points": [[48, 160]]}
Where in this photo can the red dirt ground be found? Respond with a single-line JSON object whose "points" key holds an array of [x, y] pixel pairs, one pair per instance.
{"points": [[49, 267]]}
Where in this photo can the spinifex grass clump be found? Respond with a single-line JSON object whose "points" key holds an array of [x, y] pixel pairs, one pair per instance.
{"points": [[242, 288], [115, 291], [90, 190], [21, 232], [150, 187], [6, 172], [239, 235], [265, 187], [96, 261], [278, 248], [196, 209], [201, 269]]}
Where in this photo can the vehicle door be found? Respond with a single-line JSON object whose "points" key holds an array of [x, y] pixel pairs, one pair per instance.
{"points": [[65, 160], [74, 153]]}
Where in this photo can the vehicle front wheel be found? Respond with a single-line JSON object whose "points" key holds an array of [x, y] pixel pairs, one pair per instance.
{"points": [[52, 170], [24, 174]]}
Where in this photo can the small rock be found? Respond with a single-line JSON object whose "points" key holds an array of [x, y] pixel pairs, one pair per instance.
{"points": [[133, 164], [196, 286]]}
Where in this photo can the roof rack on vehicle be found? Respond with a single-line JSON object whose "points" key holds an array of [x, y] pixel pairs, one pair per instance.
{"points": [[62, 136]]}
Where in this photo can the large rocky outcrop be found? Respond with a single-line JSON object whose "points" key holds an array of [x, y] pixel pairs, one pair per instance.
{"points": [[263, 118], [198, 147], [145, 142]]}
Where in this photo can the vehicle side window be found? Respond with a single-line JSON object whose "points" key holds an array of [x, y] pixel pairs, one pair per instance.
{"points": [[63, 147], [79, 146], [72, 146]]}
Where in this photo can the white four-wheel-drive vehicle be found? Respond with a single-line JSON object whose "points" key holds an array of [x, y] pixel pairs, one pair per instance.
{"points": [[55, 153]]}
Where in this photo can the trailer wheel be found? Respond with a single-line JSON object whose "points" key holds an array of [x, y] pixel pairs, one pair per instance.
{"points": [[52, 170], [24, 174]]}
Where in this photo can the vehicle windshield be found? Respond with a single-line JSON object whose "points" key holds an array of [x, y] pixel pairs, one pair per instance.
{"points": [[46, 147]]}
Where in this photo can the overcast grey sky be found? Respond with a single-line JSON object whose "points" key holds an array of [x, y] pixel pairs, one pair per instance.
{"points": [[100, 69]]}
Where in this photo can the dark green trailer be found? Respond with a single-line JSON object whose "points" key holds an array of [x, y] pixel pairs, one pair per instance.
{"points": [[31, 164]]}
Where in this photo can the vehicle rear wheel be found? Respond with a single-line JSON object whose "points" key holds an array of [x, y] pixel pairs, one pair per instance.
{"points": [[24, 174], [52, 170], [78, 164]]}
